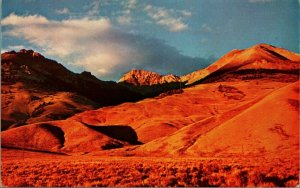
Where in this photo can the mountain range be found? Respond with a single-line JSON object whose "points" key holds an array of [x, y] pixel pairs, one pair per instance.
{"points": [[244, 104], [254, 61]]}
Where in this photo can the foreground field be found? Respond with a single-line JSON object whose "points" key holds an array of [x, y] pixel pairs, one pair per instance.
{"points": [[37, 169]]}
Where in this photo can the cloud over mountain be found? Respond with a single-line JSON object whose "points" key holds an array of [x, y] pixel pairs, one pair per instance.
{"points": [[97, 46]]}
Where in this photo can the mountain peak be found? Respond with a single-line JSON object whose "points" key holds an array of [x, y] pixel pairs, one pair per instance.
{"points": [[141, 71], [258, 57], [26, 52], [144, 77], [263, 45], [24, 55]]}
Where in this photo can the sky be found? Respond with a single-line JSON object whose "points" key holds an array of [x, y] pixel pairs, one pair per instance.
{"points": [[111, 37]]}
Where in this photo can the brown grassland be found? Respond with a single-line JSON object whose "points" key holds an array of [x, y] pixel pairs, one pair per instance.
{"points": [[38, 169]]}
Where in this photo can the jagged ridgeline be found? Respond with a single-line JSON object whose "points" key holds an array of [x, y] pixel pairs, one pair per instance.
{"points": [[36, 89]]}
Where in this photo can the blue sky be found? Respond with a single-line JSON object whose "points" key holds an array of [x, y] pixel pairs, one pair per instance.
{"points": [[110, 37]]}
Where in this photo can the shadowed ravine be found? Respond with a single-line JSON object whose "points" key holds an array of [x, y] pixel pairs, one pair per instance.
{"points": [[55, 131], [119, 132]]}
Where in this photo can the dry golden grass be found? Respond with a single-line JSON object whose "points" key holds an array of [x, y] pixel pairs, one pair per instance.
{"points": [[99, 171]]}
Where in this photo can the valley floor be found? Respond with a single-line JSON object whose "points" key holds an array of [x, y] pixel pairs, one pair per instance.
{"points": [[27, 168]]}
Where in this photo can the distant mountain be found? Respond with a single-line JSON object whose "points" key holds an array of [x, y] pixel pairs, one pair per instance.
{"points": [[150, 84], [143, 77], [254, 62], [36, 89], [257, 61]]}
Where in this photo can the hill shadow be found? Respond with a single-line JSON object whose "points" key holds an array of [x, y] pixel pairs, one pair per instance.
{"points": [[150, 91], [119, 132], [250, 74], [55, 131]]}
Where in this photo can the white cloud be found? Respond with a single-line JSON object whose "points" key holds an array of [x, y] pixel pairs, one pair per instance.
{"points": [[260, 1], [131, 4], [166, 18], [62, 11], [126, 15], [60, 38], [80, 38], [205, 28], [100, 63], [15, 48], [125, 18], [186, 13], [13, 19], [96, 46]]}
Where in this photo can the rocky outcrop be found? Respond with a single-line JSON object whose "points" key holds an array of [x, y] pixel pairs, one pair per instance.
{"points": [[143, 77]]}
